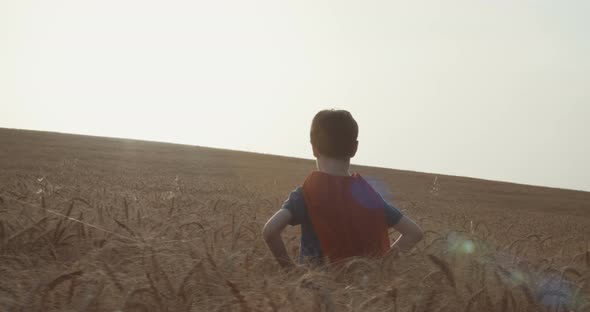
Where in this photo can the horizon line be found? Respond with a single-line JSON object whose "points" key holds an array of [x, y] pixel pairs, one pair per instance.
{"points": [[298, 158]]}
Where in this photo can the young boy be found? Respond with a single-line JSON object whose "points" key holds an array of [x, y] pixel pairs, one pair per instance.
{"points": [[340, 214]]}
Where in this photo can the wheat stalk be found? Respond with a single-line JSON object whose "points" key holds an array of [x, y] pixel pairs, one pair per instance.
{"points": [[504, 301], [473, 299], [54, 283], [238, 295], [155, 292], [182, 287], [444, 267], [113, 277]]}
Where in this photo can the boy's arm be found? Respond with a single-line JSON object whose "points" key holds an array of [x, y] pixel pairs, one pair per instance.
{"points": [[410, 232], [272, 236]]}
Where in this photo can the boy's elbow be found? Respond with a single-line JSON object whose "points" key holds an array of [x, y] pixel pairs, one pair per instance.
{"points": [[414, 237], [419, 235], [275, 225], [268, 233]]}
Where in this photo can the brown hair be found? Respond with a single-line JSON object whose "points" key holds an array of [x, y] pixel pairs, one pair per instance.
{"points": [[334, 133]]}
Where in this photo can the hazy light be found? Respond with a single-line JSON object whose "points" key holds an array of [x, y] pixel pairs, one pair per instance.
{"points": [[497, 90], [467, 247]]}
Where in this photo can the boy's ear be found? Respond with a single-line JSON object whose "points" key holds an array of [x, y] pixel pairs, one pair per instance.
{"points": [[315, 151], [354, 148]]}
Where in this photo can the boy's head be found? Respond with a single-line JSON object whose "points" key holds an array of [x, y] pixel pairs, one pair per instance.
{"points": [[334, 134]]}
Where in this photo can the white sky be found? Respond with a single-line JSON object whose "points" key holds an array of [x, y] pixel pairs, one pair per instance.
{"points": [[491, 89]]}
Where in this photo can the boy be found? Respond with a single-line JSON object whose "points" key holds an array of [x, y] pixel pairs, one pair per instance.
{"points": [[340, 214]]}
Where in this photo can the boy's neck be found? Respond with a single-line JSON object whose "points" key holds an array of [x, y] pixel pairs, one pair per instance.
{"points": [[337, 167]]}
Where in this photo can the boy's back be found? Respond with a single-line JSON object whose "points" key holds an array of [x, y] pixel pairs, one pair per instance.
{"points": [[341, 216], [348, 216]]}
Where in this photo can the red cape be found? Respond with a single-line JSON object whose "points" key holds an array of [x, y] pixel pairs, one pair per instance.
{"points": [[347, 214]]}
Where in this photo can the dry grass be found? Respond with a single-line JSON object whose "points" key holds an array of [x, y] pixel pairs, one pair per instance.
{"points": [[89, 224]]}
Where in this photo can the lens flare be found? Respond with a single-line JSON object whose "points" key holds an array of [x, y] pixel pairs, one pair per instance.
{"points": [[517, 277], [460, 245], [359, 194], [381, 187], [468, 247]]}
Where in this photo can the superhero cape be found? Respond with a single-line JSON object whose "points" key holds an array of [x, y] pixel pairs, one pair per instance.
{"points": [[347, 215]]}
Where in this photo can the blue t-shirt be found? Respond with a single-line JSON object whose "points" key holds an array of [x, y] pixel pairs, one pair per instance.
{"points": [[309, 246]]}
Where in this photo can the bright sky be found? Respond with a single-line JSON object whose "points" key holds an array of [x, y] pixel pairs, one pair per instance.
{"points": [[491, 89]]}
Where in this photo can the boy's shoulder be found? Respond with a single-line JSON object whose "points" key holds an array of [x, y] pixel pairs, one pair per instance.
{"points": [[296, 193], [295, 204]]}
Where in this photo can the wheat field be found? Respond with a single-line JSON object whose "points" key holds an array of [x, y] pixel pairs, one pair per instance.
{"points": [[99, 224]]}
